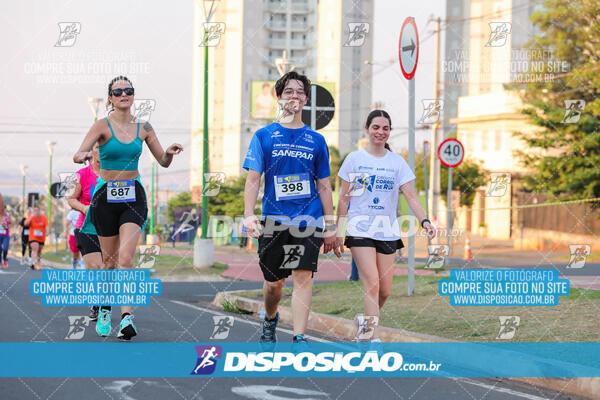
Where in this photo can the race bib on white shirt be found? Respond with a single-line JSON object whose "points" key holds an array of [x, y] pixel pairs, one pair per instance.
{"points": [[2, 230], [293, 186], [26, 232], [120, 191]]}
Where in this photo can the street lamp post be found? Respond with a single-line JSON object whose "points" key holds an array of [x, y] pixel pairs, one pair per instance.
{"points": [[24, 172], [50, 146], [204, 247], [94, 103], [208, 13]]}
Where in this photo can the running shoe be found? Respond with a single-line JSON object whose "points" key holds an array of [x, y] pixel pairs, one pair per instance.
{"points": [[269, 328], [32, 266], [299, 344], [94, 313], [127, 329], [103, 323], [5, 264], [40, 266]]}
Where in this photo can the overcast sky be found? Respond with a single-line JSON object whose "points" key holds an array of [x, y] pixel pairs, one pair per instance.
{"points": [[45, 88]]}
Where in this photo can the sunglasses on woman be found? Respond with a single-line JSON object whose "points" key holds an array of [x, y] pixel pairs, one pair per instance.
{"points": [[118, 92]]}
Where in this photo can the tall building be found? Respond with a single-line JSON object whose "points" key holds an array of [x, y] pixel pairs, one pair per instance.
{"points": [[455, 65], [488, 114], [242, 67]]}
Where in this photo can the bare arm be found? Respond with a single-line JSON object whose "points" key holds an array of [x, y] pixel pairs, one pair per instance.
{"points": [[413, 202], [324, 189], [250, 196], [73, 199], [85, 150], [164, 158]]}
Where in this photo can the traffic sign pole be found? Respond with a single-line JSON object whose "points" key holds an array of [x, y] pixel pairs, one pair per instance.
{"points": [[451, 154], [411, 163], [449, 213], [425, 153], [408, 53]]}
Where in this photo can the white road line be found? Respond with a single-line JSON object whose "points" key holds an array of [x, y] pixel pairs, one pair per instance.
{"points": [[181, 303], [501, 390]]}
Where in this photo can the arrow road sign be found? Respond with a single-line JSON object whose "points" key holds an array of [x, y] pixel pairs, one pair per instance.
{"points": [[409, 48]]}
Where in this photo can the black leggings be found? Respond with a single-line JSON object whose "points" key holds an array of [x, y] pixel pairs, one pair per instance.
{"points": [[24, 243]]}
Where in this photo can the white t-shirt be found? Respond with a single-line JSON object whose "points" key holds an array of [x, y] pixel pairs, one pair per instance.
{"points": [[72, 217], [375, 183]]}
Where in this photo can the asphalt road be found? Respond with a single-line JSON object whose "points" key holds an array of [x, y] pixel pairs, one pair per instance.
{"points": [[183, 314]]}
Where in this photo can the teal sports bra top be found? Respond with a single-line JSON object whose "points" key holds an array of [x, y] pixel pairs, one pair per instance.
{"points": [[119, 156]]}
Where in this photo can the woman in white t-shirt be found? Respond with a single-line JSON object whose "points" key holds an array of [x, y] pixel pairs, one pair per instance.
{"points": [[371, 181]]}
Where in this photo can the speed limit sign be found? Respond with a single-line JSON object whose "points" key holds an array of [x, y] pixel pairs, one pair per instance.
{"points": [[451, 153]]}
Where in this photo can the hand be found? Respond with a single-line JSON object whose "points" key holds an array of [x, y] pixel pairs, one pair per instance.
{"points": [[86, 157], [174, 149], [431, 231], [328, 243], [252, 226], [338, 248]]}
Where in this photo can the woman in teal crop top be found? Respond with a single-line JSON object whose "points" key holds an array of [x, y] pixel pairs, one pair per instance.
{"points": [[118, 210]]}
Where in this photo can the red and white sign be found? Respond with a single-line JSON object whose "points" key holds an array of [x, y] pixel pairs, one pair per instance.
{"points": [[408, 48], [451, 153]]}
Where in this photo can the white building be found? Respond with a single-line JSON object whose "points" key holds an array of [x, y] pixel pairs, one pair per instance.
{"points": [[256, 33]]}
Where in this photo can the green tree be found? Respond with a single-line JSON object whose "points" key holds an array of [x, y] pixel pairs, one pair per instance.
{"points": [[183, 199], [466, 178], [230, 199], [564, 157], [419, 170]]}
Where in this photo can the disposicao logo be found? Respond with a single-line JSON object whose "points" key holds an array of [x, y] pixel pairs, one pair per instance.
{"points": [[207, 359]]}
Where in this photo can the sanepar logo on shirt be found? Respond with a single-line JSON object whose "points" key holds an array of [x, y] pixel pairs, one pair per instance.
{"points": [[292, 153]]}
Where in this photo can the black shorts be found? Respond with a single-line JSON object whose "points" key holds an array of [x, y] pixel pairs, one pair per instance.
{"points": [[36, 241], [87, 243], [381, 246], [281, 253], [108, 217]]}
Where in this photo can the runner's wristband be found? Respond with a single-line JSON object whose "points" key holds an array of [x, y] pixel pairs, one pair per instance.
{"points": [[423, 222]]}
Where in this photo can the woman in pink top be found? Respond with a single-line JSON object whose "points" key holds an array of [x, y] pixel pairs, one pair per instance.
{"points": [[80, 199], [4, 235]]}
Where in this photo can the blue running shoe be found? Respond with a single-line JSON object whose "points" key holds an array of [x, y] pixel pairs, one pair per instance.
{"points": [[299, 344], [127, 329], [269, 328], [103, 323]]}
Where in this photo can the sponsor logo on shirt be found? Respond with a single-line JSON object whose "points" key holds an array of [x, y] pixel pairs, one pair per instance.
{"points": [[384, 183], [292, 153], [308, 138], [376, 207], [276, 134]]}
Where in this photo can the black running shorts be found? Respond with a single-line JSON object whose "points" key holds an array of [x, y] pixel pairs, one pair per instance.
{"points": [[87, 243], [282, 251], [108, 217], [381, 246]]}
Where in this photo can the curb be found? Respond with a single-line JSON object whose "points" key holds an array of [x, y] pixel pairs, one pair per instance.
{"points": [[346, 329]]}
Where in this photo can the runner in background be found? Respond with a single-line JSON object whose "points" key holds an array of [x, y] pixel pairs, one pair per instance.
{"points": [[70, 222], [25, 238], [79, 200], [4, 235], [38, 229]]}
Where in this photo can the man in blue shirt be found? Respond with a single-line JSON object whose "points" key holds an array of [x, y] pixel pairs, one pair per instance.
{"points": [[297, 196]]}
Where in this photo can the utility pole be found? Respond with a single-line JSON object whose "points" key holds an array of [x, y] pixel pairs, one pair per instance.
{"points": [[434, 179]]}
